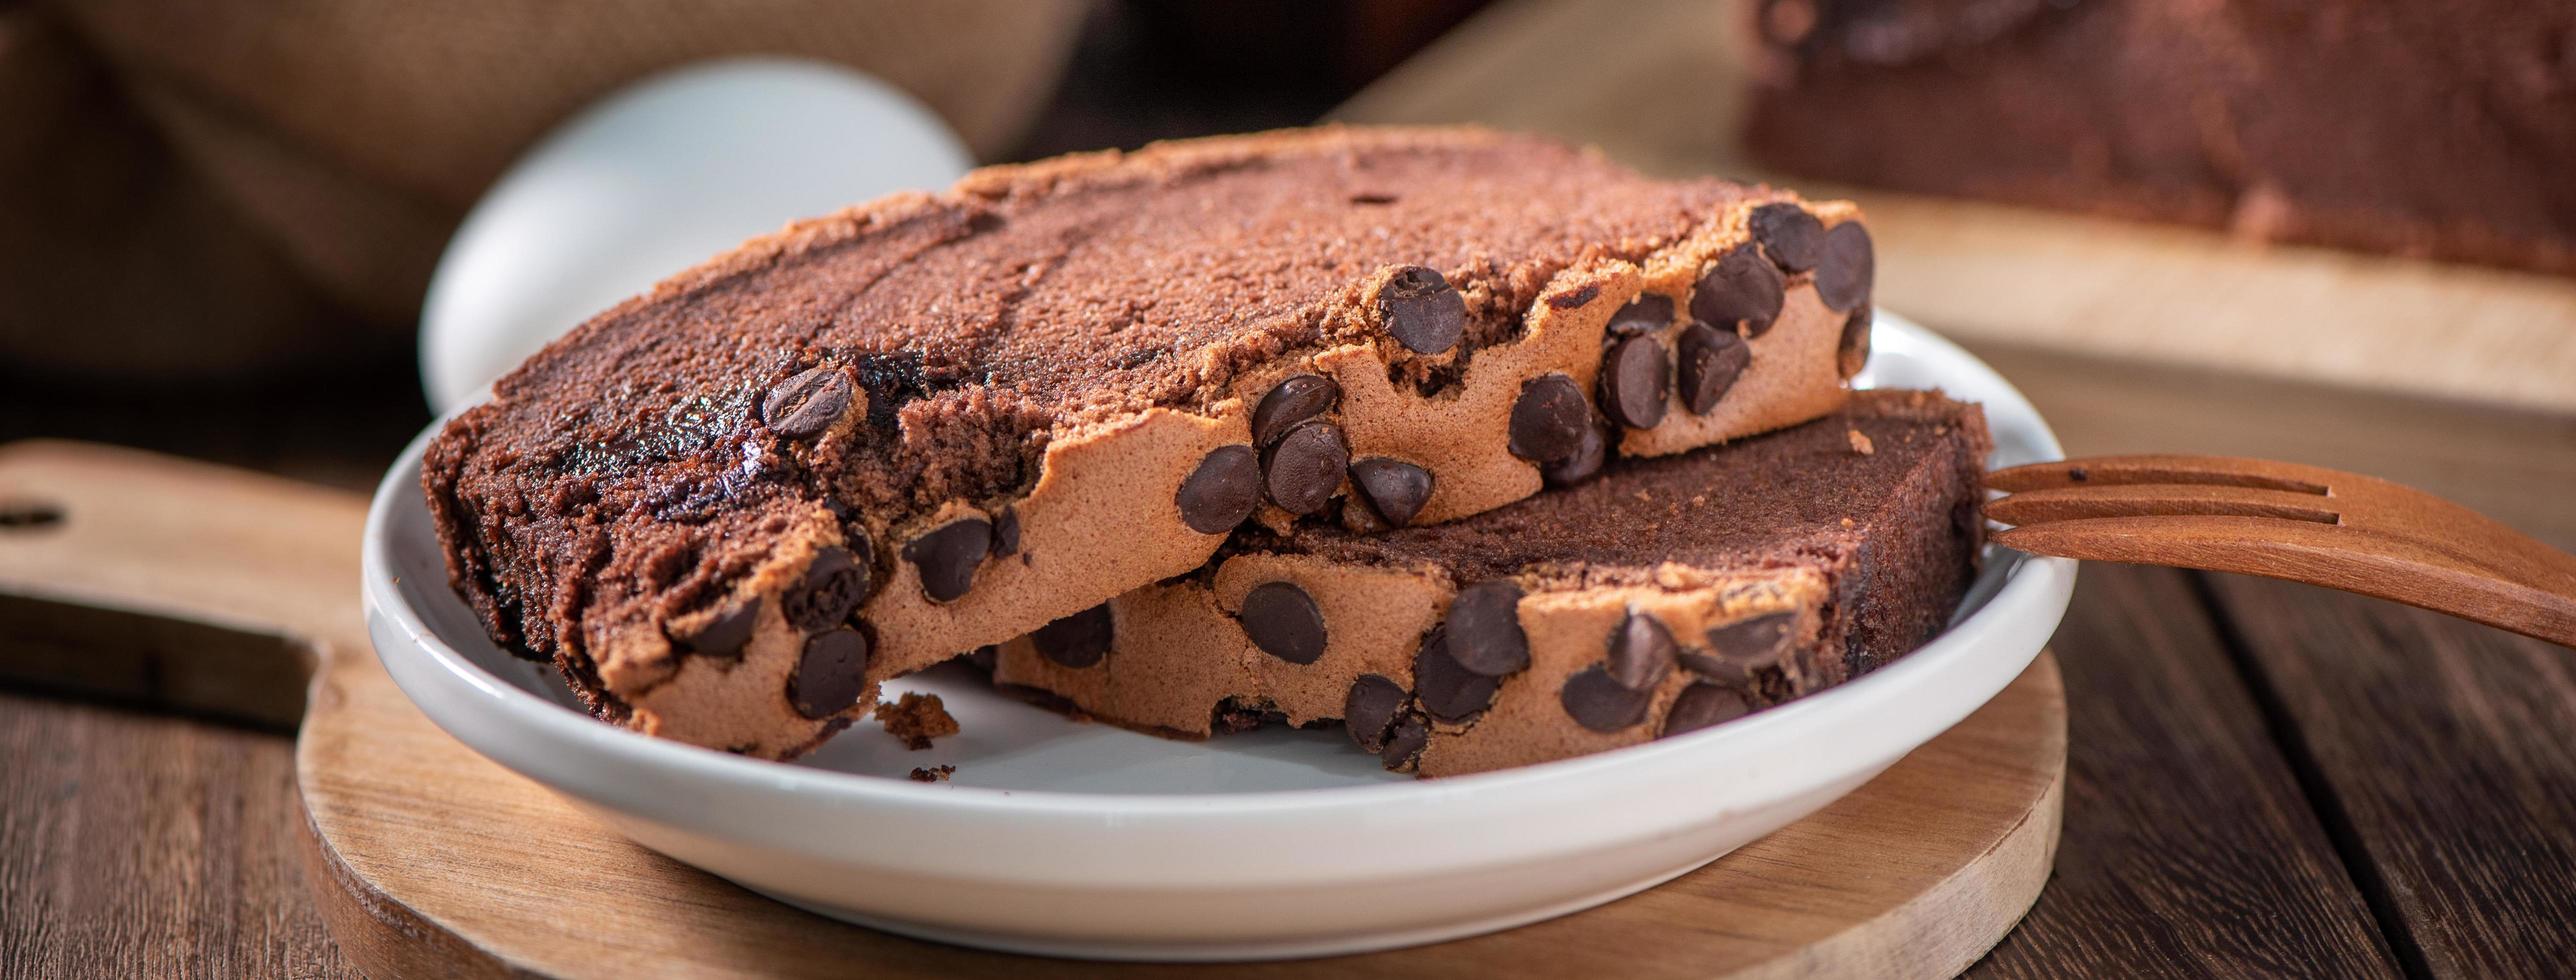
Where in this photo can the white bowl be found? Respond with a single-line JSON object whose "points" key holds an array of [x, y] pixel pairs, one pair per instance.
{"points": [[664, 172], [1085, 840]]}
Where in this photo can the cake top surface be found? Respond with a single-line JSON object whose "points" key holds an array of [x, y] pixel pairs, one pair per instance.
{"points": [[1033, 299], [1773, 500]]}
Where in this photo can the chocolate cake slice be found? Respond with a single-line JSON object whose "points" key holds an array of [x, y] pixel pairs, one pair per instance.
{"points": [[1669, 595], [2435, 129], [847, 451]]}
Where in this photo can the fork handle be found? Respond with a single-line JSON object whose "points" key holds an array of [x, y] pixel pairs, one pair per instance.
{"points": [[2391, 569]]}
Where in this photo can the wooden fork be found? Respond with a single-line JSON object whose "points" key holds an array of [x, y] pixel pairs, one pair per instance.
{"points": [[2287, 521]]}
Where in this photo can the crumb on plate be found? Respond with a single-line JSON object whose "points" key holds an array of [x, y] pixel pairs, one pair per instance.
{"points": [[916, 719]]}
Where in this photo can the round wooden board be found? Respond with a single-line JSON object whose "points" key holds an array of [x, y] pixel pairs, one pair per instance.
{"points": [[429, 860]]}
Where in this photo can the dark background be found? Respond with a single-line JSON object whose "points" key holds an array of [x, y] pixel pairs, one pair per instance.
{"points": [[1141, 70]]}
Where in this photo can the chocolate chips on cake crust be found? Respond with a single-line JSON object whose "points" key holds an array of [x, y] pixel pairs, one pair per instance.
{"points": [[1663, 597], [937, 422]]}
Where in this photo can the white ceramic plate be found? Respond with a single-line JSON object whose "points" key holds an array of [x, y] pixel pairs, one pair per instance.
{"points": [[1086, 840]]}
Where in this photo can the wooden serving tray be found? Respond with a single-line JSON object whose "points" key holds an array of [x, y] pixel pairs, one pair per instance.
{"points": [[212, 590]]}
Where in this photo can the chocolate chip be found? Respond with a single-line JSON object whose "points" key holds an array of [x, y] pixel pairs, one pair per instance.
{"points": [[1295, 400], [833, 585], [1404, 744], [1722, 671], [1484, 627], [723, 633], [1589, 455], [1369, 709], [1853, 354], [1304, 469], [1641, 652], [807, 403], [1445, 687], [1741, 287], [830, 674], [1599, 702], [1711, 360], [1222, 491], [1076, 641], [1755, 642], [1282, 620], [1701, 705], [1576, 299], [1793, 238], [1548, 419], [1647, 313], [949, 555], [1843, 277], [1006, 531], [1422, 311], [1395, 488], [1636, 380]]}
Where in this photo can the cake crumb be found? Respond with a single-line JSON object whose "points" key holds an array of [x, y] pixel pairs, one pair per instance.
{"points": [[933, 774], [1848, 522], [1860, 443], [916, 719]]}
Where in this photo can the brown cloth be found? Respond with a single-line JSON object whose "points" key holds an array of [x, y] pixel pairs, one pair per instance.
{"points": [[194, 189]]}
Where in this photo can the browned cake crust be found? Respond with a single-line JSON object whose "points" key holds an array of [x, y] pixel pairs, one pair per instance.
{"points": [[728, 508], [2445, 130], [1666, 596]]}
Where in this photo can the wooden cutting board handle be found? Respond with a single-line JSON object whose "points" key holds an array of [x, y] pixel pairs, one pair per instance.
{"points": [[198, 588]]}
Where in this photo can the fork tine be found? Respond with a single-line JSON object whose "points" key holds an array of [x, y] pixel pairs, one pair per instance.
{"points": [[2203, 470], [2085, 501], [2189, 541]]}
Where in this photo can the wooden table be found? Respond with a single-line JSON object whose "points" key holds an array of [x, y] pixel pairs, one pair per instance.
{"points": [[2264, 778]]}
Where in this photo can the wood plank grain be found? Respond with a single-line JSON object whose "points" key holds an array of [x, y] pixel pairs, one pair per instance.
{"points": [[161, 664], [2188, 846], [2443, 755], [140, 846], [1661, 85]]}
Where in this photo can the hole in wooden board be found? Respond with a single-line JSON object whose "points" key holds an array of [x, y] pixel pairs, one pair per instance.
{"points": [[28, 515]]}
